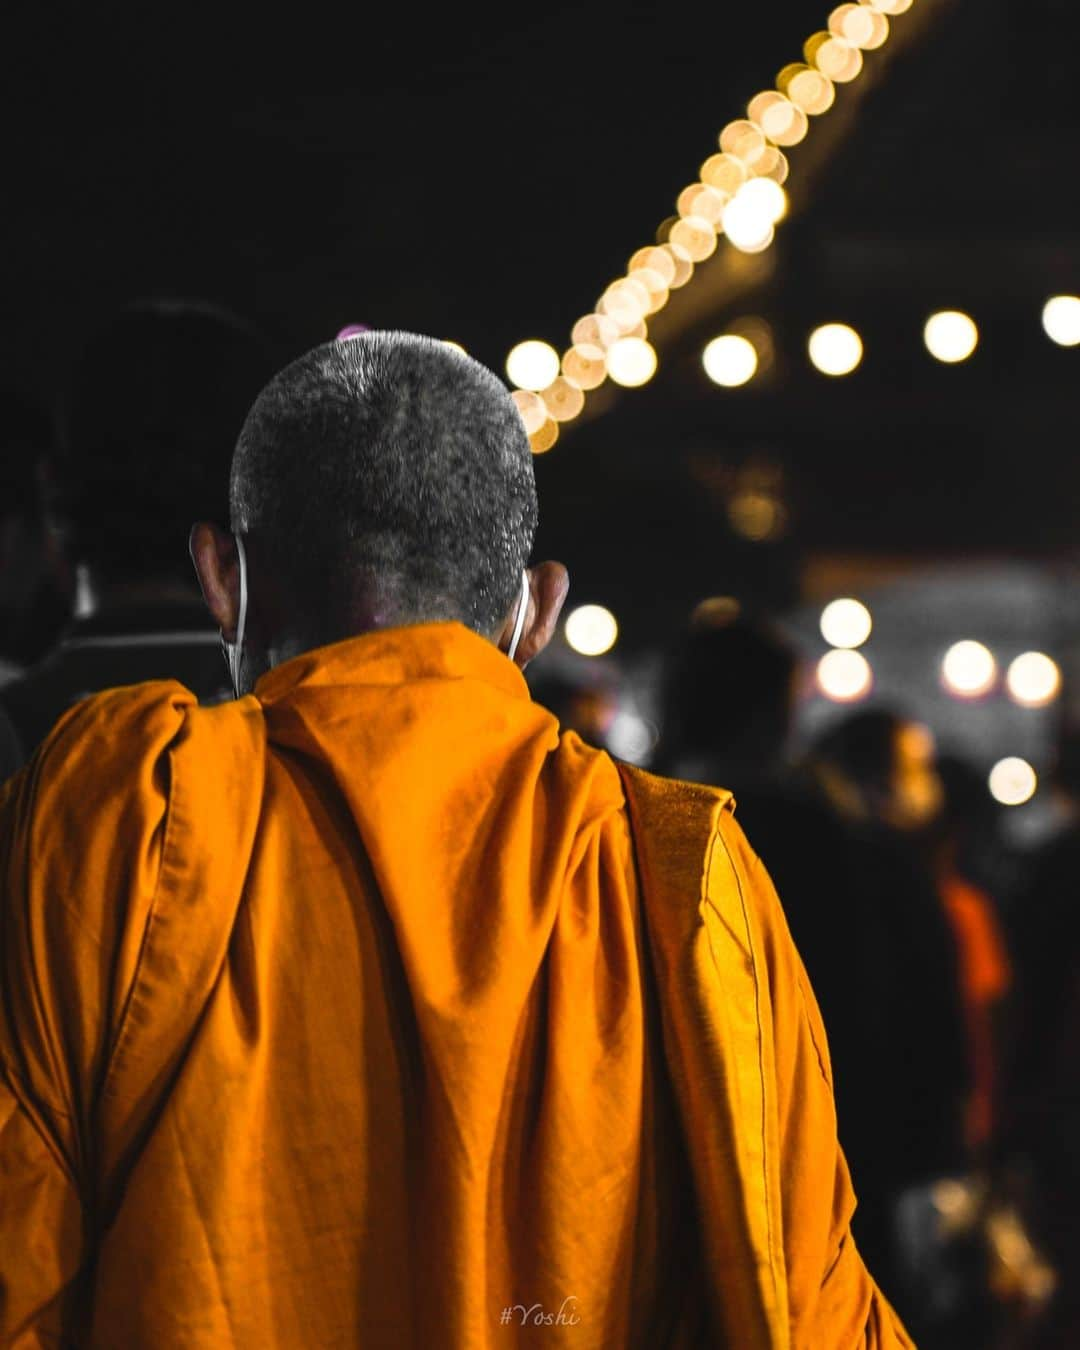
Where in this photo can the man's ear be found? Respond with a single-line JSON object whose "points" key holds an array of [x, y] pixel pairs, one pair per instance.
{"points": [[217, 565], [549, 583]]}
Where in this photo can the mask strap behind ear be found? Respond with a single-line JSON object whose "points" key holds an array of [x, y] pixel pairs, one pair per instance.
{"points": [[519, 623]]}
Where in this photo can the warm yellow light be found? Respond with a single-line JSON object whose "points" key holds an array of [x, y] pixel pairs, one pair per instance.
{"points": [[684, 268], [889, 6], [631, 362], [743, 140], [835, 348], [541, 441], [1061, 319], [693, 238], [1033, 679], [531, 407], [591, 630], [625, 302], [725, 173], [730, 360], [950, 335], [846, 623], [532, 365], [657, 260], [807, 88], [844, 676], [699, 199], [834, 57], [454, 346], [860, 25], [764, 195], [1012, 781], [779, 119], [584, 366], [772, 164], [595, 330], [968, 669], [563, 400], [748, 227]]}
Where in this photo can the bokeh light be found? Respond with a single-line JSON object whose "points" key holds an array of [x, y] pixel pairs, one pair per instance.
{"points": [[584, 365], [835, 348], [730, 360], [950, 335], [563, 400], [846, 623], [844, 676], [631, 362], [540, 442], [532, 409], [834, 57], [1033, 679], [968, 669], [748, 226], [1012, 781], [694, 238], [807, 88], [532, 364], [591, 630], [1061, 319]]}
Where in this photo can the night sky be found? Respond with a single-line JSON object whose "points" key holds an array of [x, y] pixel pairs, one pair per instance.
{"points": [[484, 179]]}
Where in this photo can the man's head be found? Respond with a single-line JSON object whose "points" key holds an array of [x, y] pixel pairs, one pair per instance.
{"points": [[379, 481], [149, 422]]}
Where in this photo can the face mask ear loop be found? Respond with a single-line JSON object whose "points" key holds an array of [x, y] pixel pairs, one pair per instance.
{"points": [[519, 623], [236, 647]]}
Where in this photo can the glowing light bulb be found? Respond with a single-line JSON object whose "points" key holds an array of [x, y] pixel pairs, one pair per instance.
{"points": [[694, 238], [779, 119], [725, 173], [744, 140], [1061, 319], [563, 400], [531, 407], [844, 675], [846, 623], [454, 346], [540, 442], [950, 335], [591, 630], [860, 25], [699, 199], [748, 226], [625, 302], [1033, 679], [835, 348], [772, 164], [1012, 781], [657, 260], [684, 268], [766, 196], [631, 362], [807, 88], [584, 366], [595, 330], [968, 669], [889, 6], [730, 360], [834, 57], [532, 364]]}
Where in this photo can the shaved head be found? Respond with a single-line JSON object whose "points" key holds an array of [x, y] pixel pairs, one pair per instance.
{"points": [[390, 461]]}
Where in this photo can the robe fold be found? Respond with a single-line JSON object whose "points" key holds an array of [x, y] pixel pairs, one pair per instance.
{"points": [[369, 1011]]}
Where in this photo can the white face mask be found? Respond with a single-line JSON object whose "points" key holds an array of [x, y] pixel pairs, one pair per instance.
{"points": [[233, 649], [519, 622]]}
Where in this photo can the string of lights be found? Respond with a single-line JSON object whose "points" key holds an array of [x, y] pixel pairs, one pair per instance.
{"points": [[739, 194]]}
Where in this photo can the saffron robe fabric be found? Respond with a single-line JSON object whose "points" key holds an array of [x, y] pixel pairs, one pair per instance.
{"points": [[368, 1011]]}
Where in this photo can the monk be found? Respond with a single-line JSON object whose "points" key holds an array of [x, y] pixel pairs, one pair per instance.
{"points": [[367, 1010]]}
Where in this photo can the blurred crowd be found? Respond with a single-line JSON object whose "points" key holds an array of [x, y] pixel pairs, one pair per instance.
{"points": [[946, 963]]}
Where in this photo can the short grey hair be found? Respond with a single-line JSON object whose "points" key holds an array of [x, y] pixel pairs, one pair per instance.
{"points": [[395, 458]]}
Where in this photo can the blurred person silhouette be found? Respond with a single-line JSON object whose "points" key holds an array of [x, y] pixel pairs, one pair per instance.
{"points": [[366, 1008], [878, 768], [1044, 1079], [34, 586], [148, 424]]}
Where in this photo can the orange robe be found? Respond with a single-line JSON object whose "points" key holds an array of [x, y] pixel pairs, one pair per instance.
{"points": [[337, 1016]]}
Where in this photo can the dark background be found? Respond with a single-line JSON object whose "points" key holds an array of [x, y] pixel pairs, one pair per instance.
{"points": [[482, 176]]}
